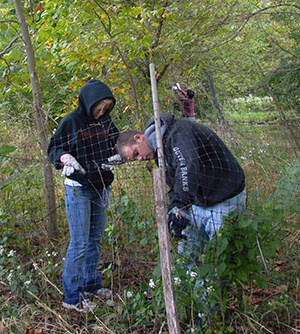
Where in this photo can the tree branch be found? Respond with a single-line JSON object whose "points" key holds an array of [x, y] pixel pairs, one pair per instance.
{"points": [[2, 53], [269, 7], [160, 25], [107, 29], [123, 57], [162, 72], [8, 21]]}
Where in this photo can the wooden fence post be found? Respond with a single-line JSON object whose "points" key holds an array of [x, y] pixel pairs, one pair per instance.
{"points": [[159, 181]]}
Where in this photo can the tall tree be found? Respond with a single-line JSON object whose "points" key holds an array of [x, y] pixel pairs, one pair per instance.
{"points": [[39, 117]]}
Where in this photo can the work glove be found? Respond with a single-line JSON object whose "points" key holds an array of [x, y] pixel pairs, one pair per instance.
{"points": [[176, 87], [70, 165], [112, 162], [116, 159], [178, 220]]}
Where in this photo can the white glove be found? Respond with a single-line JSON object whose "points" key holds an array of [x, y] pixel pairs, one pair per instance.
{"points": [[115, 158], [70, 165], [174, 87], [112, 161], [67, 171], [178, 86]]}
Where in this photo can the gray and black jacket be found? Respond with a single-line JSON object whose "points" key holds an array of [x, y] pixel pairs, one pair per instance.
{"points": [[200, 169]]}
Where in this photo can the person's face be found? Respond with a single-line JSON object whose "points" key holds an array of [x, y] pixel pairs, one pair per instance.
{"points": [[100, 109], [140, 150]]}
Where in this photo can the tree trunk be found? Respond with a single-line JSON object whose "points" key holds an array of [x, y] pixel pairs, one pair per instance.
{"points": [[52, 228], [216, 104], [289, 131]]}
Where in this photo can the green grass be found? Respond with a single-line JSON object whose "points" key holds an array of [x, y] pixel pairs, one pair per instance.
{"points": [[30, 277], [262, 117]]}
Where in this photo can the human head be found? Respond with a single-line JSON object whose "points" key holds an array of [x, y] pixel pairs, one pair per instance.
{"points": [[101, 108], [132, 145], [190, 93], [93, 93]]}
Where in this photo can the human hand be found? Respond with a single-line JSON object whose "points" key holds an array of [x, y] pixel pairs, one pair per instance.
{"points": [[178, 86], [115, 159], [70, 165], [178, 220], [112, 161]]}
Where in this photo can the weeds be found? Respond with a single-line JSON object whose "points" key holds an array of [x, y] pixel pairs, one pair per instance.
{"points": [[244, 297]]}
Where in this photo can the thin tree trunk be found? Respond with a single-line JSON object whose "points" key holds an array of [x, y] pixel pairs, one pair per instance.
{"points": [[224, 126], [216, 103], [52, 228], [289, 131]]}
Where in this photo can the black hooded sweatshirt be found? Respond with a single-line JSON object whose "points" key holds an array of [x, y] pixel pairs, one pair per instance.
{"points": [[200, 169], [88, 140]]}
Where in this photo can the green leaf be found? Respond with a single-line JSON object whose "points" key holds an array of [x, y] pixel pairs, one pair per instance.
{"points": [[229, 329], [221, 246], [239, 244], [7, 149], [244, 223], [206, 269], [221, 268]]}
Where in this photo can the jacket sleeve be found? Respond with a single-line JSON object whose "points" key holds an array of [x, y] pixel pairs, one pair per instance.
{"points": [[63, 141], [113, 136], [185, 169]]}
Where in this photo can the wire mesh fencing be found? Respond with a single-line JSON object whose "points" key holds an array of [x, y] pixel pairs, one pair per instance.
{"points": [[129, 256]]}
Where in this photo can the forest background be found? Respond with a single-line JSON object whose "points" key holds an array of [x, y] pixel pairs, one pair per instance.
{"points": [[242, 60]]}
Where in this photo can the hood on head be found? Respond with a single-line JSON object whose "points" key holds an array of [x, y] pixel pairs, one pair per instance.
{"points": [[166, 120], [92, 92]]}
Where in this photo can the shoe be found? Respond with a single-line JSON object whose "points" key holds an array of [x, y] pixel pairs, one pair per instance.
{"points": [[84, 306], [102, 293]]}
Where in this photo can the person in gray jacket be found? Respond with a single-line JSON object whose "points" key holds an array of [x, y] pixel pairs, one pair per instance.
{"points": [[205, 180]]}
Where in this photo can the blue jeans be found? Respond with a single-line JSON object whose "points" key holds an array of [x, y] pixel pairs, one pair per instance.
{"points": [[205, 223], [85, 209]]}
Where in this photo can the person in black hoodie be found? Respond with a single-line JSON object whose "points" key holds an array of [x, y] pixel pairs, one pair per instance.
{"points": [[205, 180], [83, 141]]}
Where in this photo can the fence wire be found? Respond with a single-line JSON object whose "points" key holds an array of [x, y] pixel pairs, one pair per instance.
{"points": [[129, 255]]}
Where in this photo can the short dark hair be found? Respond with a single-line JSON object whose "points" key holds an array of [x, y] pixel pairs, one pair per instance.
{"points": [[126, 138], [190, 93]]}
